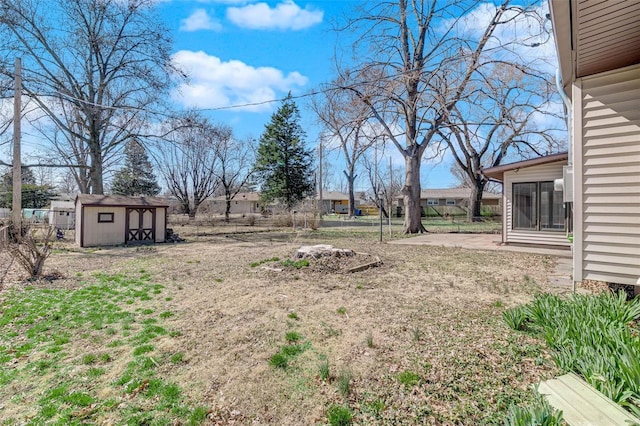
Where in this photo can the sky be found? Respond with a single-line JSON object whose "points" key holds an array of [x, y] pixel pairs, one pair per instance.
{"points": [[241, 54]]}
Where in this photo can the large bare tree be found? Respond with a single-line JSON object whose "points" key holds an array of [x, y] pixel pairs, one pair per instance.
{"points": [[235, 166], [93, 67], [409, 44], [189, 162], [506, 108], [346, 121]]}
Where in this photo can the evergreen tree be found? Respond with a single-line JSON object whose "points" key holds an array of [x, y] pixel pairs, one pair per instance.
{"points": [[136, 177], [33, 196], [283, 164]]}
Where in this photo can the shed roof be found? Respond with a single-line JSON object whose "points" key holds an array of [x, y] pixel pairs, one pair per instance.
{"points": [[120, 201], [332, 196], [497, 172]]}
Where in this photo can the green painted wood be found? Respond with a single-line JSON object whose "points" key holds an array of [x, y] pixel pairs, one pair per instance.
{"points": [[582, 405]]}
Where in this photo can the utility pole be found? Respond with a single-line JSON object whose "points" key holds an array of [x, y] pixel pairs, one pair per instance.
{"points": [[16, 208], [320, 177]]}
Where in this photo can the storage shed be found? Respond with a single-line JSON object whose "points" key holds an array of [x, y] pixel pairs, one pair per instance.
{"points": [[533, 208], [104, 220]]}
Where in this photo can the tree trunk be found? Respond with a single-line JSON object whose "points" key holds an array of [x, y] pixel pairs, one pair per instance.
{"points": [[411, 193], [227, 210], [95, 172], [352, 198], [476, 200]]}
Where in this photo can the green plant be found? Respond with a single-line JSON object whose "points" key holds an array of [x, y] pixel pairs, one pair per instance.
{"points": [[293, 315], [344, 382], [292, 336], [370, 340], [341, 311], [408, 378], [516, 318], [339, 415], [324, 371], [260, 262], [177, 358], [538, 413], [279, 360], [297, 264]]}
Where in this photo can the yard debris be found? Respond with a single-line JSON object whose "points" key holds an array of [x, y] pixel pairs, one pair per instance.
{"points": [[321, 250], [376, 262], [173, 238]]}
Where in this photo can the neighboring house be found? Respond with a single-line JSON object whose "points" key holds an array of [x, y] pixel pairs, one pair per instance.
{"points": [[336, 202], [242, 203], [451, 201], [103, 220], [598, 44], [533, 210], [62, 213]]}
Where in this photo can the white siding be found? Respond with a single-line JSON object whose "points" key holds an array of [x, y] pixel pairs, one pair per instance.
{"points": [[609, 155], [541, 173]]}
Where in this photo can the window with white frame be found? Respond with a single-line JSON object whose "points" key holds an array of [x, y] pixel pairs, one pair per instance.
{"points": [[451, 202], [433, 202]]}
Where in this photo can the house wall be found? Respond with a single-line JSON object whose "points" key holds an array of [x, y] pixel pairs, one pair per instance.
{"points": [[97, 234], [541, 173], [607, 176]]}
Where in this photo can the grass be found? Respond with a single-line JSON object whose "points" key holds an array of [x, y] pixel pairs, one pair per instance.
{"points": [[46, 333], [339, 415], [222, 335]]}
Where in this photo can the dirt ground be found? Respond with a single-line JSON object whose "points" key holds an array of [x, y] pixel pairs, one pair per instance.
{"points": [[434, 311]]}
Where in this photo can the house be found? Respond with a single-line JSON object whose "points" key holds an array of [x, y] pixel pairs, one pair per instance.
{"points": [[598, 46], [103, 220], [62, 213], [242, 203], [450, 201], [533, 211], [335, 202]]}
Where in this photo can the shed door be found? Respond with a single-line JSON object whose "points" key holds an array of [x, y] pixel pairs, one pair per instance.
{"points": [[140, 225]]}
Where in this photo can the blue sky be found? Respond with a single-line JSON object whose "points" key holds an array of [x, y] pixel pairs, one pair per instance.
{"points": [[243, 53]]}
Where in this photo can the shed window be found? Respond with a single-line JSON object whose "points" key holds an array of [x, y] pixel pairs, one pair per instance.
{"points": [[536, 206], [433, 202], [451, 202], [105, 217]]}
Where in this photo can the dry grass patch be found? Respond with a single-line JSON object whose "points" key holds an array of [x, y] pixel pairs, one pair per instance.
{"points": [[418, 339]]}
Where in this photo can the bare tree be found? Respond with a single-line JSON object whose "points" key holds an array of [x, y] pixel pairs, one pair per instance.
{"points": [[188, 162], [346, 120], [93, 67], [499, 112], [409, 45], [235, 165]]}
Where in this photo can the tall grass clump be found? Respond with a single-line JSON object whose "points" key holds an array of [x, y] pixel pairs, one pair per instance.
{"points": [[539, 413], [596, 336]]}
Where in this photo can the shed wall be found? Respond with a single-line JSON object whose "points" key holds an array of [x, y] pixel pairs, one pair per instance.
{"points": [[608, 136], [96, 234], [541, 173]]}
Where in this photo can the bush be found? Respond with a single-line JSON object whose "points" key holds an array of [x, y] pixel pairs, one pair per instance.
{"points": [[339, 415]]}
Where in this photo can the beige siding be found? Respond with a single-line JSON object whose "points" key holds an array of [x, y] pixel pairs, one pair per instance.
{"points": [[103, 233], [610, 187], [161, 225], [541, 173]]}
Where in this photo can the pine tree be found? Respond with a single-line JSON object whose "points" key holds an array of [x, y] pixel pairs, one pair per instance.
{"points": [[283, 164], [136, 177]]}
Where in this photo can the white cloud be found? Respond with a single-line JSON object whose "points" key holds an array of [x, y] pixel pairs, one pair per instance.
{"points": [[286, 15], [199, 20], [215, 83]]}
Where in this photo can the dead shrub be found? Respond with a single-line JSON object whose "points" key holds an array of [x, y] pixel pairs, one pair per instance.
{"points": [[30, 250], [283, 220]]}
